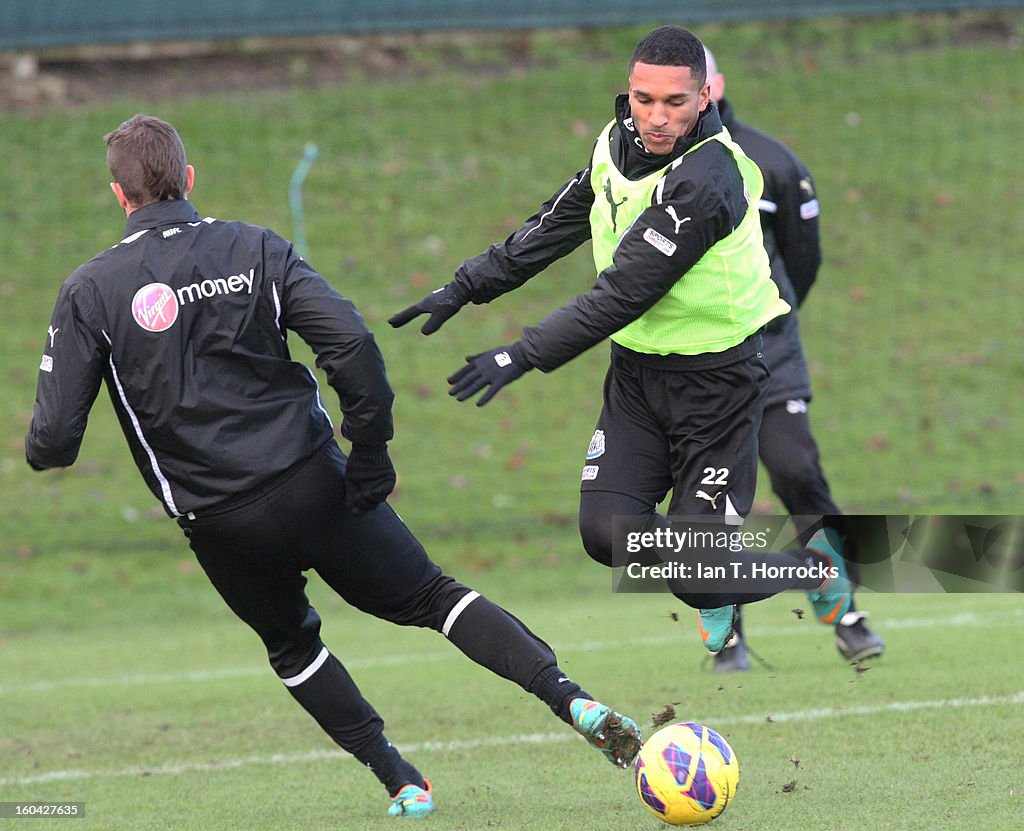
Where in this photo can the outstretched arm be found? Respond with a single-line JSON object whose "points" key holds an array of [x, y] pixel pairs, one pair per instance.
{"points": [[558, 228]]}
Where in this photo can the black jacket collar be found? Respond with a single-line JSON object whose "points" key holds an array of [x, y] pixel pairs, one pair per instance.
{"points": [[155, 214]]}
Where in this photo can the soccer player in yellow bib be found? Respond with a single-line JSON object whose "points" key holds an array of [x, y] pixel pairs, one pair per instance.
{"points": [[683, 291]]}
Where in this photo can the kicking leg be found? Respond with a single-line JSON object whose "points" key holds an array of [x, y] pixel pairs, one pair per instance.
{"points": [[399, 583], [713, 445], [241, 556]]}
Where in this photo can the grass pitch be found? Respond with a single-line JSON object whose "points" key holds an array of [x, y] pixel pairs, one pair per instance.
{"points": [[175, 724], [126, 685]]}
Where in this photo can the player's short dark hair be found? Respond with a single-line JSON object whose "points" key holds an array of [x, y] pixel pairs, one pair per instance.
{"points": [[147, 159], [672, 46]]}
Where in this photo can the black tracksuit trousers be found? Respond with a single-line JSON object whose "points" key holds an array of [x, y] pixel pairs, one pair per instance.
{"points": [[255, 555]]}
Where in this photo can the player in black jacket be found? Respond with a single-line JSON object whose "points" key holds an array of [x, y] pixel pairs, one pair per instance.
{"points": [[186, 319], [789, 220]]}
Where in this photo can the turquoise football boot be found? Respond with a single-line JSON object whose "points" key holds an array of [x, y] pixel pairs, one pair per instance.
{"points": [[412, 801], [614, 734], [716, 627], [832, 599]]}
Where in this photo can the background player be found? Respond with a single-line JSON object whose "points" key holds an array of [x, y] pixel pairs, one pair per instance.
{"points": [[789, 221]]}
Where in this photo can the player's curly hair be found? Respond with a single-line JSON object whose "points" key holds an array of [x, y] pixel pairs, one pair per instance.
{"points": [[672, 46], [146, 158]]}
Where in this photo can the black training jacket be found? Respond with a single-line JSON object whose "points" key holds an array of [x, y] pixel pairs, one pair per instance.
{"points": [[186, 321], [789, 220], [706, 186]]}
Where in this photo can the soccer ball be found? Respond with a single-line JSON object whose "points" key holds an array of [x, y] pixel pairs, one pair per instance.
{"points": [[686, 774]]}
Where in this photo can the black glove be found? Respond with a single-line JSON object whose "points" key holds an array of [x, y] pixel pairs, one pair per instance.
{"points": [[495, 369], [370, 477], [440, 304]]}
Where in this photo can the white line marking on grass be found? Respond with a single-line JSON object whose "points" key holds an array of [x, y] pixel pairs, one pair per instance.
{"points": [[805, 628], [820, 713], [816, 714], [284, 759], [146, 679]]}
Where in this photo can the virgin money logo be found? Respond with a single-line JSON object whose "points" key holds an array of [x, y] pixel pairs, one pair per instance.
{"points": [[154, 307]]}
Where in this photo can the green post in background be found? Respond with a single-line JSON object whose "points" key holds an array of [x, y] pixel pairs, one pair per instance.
{"points": [[309, 154]]}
